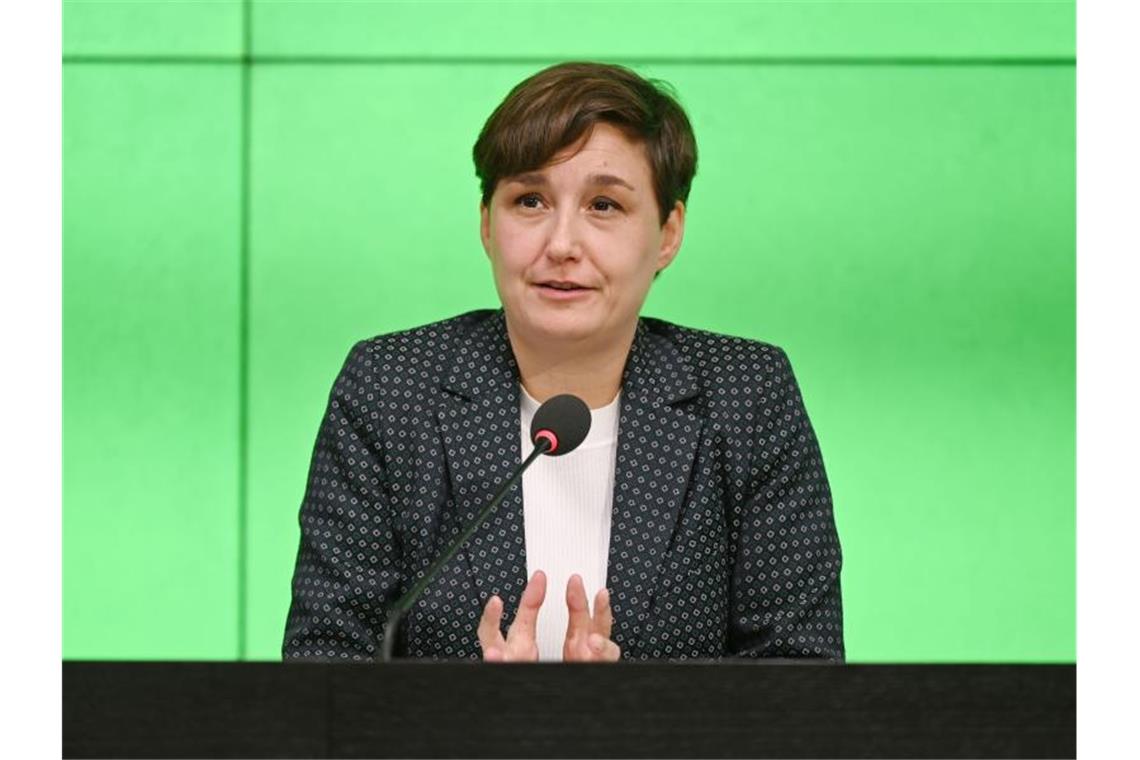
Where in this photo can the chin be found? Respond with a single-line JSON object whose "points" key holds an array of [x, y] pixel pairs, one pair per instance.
{"points": [[562, 324]]}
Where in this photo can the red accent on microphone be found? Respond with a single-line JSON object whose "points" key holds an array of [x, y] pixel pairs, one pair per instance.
{"points": [[548, 435]]}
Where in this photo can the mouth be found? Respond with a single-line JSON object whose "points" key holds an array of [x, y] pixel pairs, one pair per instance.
{"points": [[554, 286], [562, 289]]}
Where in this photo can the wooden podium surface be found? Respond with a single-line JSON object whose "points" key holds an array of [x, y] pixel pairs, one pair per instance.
{"points": [[461, 709]]}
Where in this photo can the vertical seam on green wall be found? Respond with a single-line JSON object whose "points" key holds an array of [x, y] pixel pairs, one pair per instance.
{"points": [[243, 344]]}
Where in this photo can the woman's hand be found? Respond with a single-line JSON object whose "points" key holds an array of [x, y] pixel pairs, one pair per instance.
{"points": [[588, 638], [520, 644]]}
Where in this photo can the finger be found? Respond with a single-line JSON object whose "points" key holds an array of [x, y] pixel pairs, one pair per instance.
{"points": [[490, 634], [578, 621], [576, 648], [527, 617], [493, 654], [604, 649], [603, 614]]}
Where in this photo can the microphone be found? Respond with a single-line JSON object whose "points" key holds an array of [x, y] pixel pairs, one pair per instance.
{"points": [[563, 421], [559, 426]]}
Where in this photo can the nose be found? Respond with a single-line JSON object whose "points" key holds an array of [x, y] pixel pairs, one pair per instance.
{"points": [[564, 242]]}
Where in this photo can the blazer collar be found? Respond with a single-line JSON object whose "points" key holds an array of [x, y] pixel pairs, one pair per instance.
{"points": [[650, 482], [485, 363]]}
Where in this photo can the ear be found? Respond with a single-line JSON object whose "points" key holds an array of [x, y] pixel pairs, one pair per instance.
{"points": [[671, 236], [485, 228]]}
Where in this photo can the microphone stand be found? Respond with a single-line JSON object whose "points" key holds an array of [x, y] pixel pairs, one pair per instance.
{"points": [[404, 603]]}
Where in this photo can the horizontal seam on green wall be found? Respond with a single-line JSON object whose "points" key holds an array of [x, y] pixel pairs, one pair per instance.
{"points": [[366, 60]]}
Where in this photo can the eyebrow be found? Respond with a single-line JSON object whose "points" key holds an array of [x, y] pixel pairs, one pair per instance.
{"points": [[603, 180]]}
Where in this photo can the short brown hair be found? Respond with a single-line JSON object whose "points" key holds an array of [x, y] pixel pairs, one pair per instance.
{"points": [[554, 108]]}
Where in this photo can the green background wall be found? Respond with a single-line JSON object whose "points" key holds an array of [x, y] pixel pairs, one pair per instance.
{"points": [[886, 190]]}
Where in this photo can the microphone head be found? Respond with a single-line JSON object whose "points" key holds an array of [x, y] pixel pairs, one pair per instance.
{"points": [[564, 421]]}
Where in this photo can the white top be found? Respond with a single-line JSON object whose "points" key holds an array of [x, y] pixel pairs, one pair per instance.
{"points": [[567, 508]]}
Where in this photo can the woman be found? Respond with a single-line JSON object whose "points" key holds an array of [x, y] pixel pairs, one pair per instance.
{"points": [[696, 515]]}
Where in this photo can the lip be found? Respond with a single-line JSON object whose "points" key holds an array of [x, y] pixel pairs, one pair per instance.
{"points": [[562, 295]]}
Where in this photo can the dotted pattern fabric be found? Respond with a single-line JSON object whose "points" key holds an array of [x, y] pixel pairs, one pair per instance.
{"points": [[723, 541]]}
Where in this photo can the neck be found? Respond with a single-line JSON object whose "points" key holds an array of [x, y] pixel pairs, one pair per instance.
{"points": [[592, 372]]}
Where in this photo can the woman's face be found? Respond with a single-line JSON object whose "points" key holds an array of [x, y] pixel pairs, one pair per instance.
{"points": [[590, 220]]}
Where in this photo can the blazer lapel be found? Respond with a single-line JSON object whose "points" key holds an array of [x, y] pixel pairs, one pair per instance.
{"points": [[656, 447], [481, 435]]}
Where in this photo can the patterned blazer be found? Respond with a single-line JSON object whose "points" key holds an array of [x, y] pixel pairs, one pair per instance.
{"points": [[723, 541]]}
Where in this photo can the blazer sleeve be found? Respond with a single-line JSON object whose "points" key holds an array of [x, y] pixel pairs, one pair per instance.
{"points": [[785, 593], [347, 569]]}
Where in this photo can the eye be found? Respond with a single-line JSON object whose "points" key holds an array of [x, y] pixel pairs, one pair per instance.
{"points": [[522, 200], [605, 202]]}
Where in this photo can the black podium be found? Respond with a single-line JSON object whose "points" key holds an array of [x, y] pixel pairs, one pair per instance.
{"points": [[697, 709]]}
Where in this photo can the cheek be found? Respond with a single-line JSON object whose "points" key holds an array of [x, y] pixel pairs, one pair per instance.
{"points": [[641, 257], [515, 245]]}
